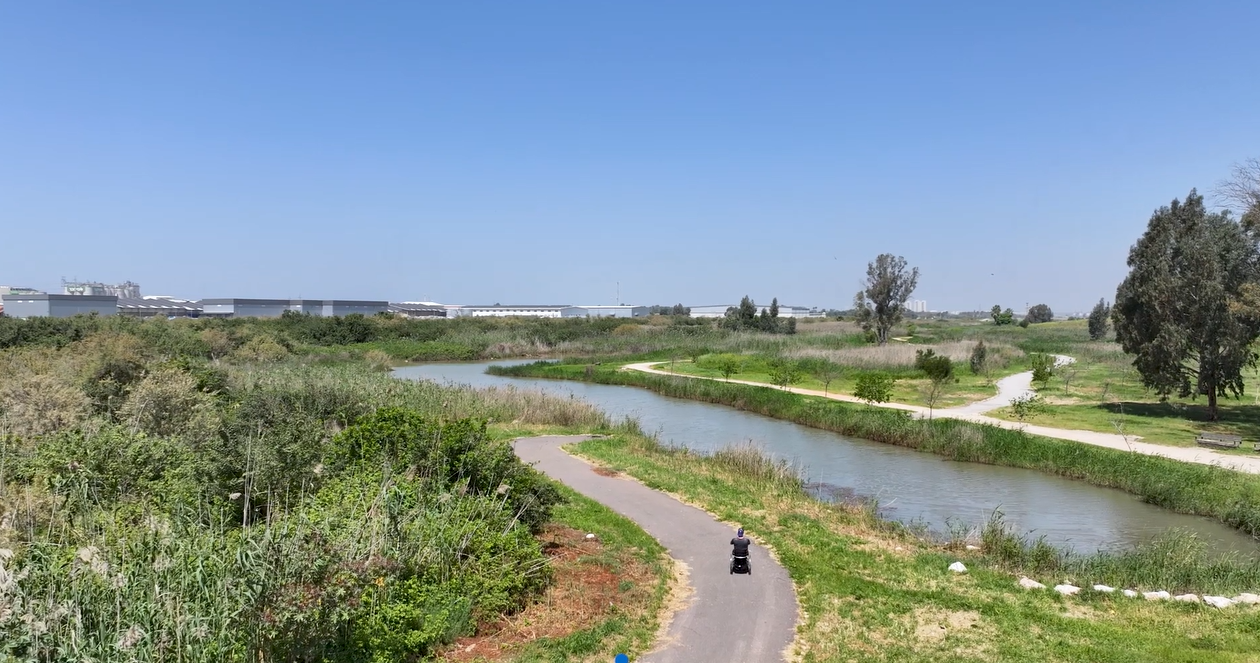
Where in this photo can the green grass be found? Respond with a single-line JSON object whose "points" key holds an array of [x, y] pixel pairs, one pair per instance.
{"points": [[1230, 497], [910, 386], [632, 627], [870, 592]]}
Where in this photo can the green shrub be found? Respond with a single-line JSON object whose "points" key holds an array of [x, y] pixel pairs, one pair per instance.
{"points": [[874, 387]]}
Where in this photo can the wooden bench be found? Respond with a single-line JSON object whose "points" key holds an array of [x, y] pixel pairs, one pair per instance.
{"points": [[1218, 440]]}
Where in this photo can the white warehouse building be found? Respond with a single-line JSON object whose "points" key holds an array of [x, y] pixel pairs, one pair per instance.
{"points": [[548, 311], [785, 311]]}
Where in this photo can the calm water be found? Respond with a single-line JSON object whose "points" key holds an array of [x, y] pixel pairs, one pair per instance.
{"points": [[909, 486]]}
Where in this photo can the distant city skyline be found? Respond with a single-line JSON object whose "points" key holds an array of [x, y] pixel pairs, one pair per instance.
{"points": [[567, 151]]}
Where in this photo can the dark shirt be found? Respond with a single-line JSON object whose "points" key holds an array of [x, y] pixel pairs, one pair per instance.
{"points": [[740, 546]]}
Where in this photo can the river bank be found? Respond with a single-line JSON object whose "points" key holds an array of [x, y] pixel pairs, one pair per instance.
{"points": [[873, 591], [1229, 497]]}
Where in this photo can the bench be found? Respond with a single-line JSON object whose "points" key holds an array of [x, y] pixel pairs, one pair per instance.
{"points": [[1218, 440]]}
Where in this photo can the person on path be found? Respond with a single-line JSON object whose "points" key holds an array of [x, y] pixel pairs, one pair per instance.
{"points": [[739, 546]]}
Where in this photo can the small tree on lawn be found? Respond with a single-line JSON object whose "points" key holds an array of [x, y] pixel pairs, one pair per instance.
{"points": [[1042, 368], [1027, 406], [827, 374], [874, 387], [940, 372], [729, 366], [1099, 320], [979, 357], [784, 373]]}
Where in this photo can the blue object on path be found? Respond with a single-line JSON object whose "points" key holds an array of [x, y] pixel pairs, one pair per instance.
{"points": [[621, 658]]}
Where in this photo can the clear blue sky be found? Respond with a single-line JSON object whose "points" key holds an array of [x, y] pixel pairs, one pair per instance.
{"points": [[540, 152]]}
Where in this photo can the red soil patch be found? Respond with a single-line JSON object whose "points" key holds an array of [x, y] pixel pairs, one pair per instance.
{"points": [[583, 591], [605, 472]]}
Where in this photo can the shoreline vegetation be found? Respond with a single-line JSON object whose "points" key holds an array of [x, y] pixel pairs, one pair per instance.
{"points": [[1232, 498], [159, 504]]}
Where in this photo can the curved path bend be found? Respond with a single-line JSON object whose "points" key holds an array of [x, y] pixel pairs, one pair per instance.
{"points": [[744, 618], [1010, 388]]}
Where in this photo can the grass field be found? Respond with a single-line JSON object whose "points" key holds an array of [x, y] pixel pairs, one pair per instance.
{"points": [[873, 592]]}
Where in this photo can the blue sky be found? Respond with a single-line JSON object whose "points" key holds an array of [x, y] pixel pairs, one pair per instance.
{"points": [[542, 152]]}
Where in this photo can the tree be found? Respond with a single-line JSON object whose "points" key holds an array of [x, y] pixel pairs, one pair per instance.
{"points": [[784, 373], [1001, 317], [1181, 311], [1039, 313], [881, 303], [1042, 368], [729, 366], [681, 310], [940, 372], [828, 373], [1099, 320], [1027, 406], [874, 387], [1242, 192], [979, 356]]}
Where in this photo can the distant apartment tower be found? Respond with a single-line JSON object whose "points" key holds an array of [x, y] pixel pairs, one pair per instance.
{"points": [[916, 305]]}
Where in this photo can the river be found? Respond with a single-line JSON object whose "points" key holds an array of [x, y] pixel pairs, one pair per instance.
{"points": [[909, 486]]}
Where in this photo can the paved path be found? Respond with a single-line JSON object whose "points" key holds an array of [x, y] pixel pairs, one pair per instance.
{"points": [[730, 618], [1009, 388]]}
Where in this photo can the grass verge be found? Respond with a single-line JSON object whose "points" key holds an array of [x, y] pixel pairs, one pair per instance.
{"points": [[870, 591], [1230, 497], [605, 597]]}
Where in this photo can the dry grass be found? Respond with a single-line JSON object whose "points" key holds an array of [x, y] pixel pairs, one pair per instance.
{"points": [[587, 588], [902, 355]]}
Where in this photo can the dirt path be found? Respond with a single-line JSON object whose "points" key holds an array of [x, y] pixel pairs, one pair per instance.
{"points": [[1009, 388], [746, 618]]}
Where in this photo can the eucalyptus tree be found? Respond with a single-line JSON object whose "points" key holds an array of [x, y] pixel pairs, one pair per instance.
{"points": [[881, 303]]}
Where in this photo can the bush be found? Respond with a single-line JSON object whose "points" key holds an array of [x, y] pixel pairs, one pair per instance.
{"points": [[1039, 313], [874, 387], [979, 355], [1042, 368]]}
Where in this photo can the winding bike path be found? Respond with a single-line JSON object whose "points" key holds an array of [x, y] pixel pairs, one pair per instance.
{"points": [[744, 618], [1010, 388]]}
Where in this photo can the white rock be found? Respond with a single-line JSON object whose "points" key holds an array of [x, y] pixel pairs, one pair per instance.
{"points": [[1247, 598], [1130, 593], [1067, 590], [1156, 596], [1104, 588], [1217, 601], [957, 567], [590, 537], [971, 547], [899, 549], [1186, 598], [1029, 583]]}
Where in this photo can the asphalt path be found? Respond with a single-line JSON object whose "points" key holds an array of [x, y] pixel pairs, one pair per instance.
{"points": [[728, 618]]}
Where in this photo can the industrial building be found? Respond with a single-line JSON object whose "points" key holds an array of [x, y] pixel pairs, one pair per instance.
{"points": [[549, 311], [417, 310], [43, 305], [152, 307], [274, 308], [127, 290], [785, 311]]}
